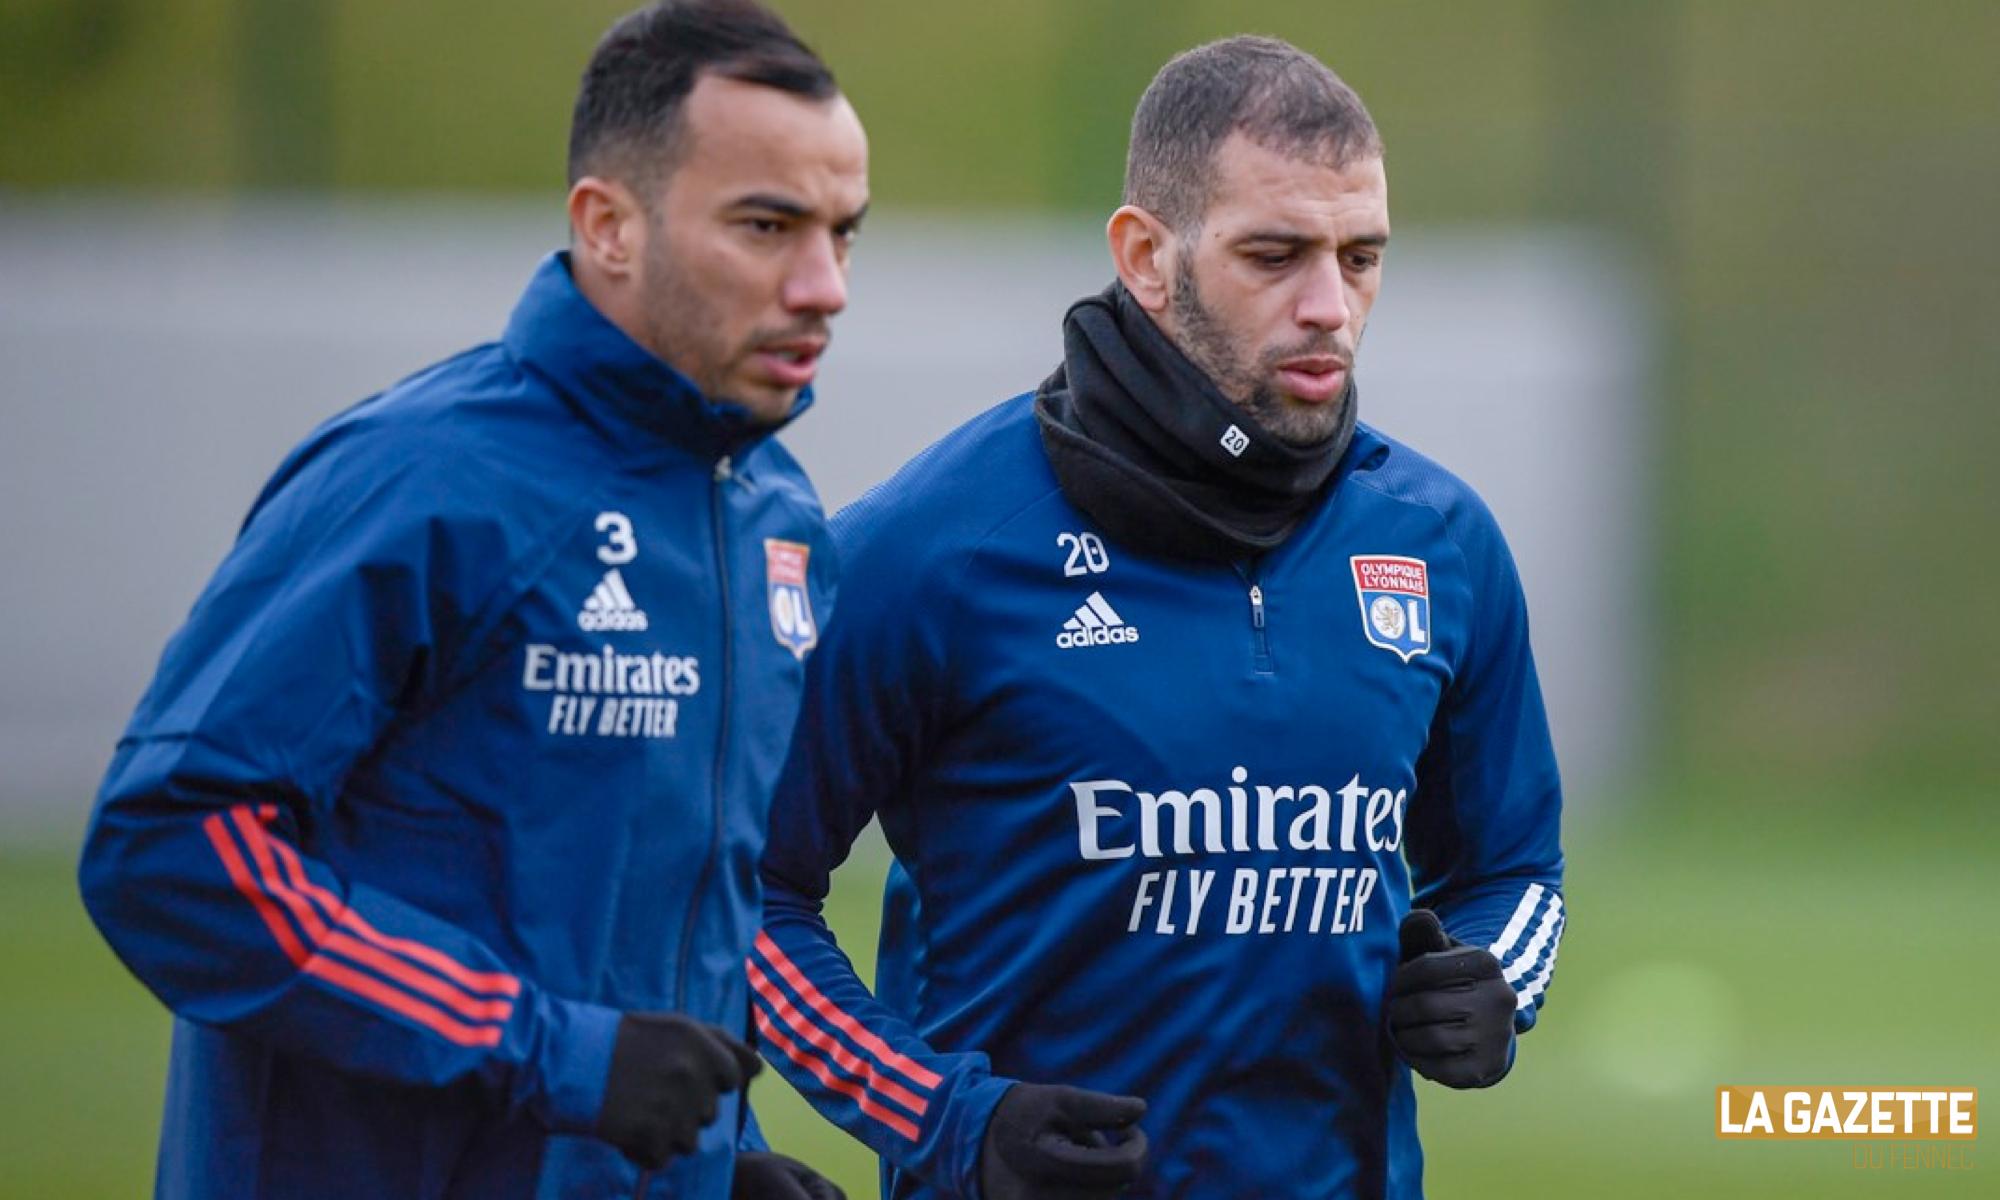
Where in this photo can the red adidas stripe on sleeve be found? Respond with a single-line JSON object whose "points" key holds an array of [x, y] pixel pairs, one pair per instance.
{"points": [[820, 1071], [774, 955], [860, 1069], [239, 874], [338, 913], [271, 896]]}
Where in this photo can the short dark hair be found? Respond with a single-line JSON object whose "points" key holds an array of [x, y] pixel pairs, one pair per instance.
{"points": [[1271, 91], [628, 109]]}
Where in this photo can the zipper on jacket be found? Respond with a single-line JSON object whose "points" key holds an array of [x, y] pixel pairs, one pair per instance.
{"points": [[1260, 633], [719, 527], [721, 537]]}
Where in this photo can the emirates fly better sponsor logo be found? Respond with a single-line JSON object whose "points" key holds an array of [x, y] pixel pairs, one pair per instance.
{"points": [[608, 694], [1327, 841]]}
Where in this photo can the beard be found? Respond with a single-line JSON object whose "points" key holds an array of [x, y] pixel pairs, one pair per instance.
{"points": [[689, 336], [1246, 381], [681, 333]]}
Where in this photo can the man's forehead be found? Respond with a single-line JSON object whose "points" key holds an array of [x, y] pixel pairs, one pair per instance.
{"points": [[1253, 182], [731, 126]]}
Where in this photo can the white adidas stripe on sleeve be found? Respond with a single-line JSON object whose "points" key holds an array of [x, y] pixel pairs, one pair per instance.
{"points": [[1518, 923], [1544, 931], [1539, 982]]}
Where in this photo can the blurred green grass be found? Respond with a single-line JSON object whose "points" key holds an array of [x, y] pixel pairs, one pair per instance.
{"points": [[1714, 940]]}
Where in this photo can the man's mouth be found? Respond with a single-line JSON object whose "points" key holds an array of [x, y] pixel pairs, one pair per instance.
{"points": [[1313, 378], [791, 363]]}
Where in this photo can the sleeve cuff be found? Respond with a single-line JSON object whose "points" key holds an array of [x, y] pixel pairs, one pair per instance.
{"points": [[576, 1062], [964, 1124]]}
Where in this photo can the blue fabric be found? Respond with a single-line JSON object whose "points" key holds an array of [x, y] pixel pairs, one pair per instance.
{"points": [[466, 748], [1067, 741]]}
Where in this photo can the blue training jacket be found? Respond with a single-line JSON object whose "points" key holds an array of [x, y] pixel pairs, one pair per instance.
{"points": [[1155, 823], [466, 748]]}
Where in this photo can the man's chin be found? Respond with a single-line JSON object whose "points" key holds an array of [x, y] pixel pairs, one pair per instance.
{"points": [[1298, 422], [766, 404]]}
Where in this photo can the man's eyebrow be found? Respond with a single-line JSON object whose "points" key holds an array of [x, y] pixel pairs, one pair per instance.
{"points": [[790, 209], [781, 205], [1299, 240], [1272, 237]]}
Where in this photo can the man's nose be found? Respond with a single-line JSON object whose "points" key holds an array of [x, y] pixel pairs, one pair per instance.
{"points": [[818, 279], [1323, 303]]}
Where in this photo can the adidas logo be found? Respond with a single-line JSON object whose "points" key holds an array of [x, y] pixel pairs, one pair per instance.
{"points": [[609, 608], [1096, 623]]}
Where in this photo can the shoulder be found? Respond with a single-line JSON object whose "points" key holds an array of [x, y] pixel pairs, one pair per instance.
{"points": [[1395, 471], [476, 422], [478, 410], [957, 492], [467, 444]]}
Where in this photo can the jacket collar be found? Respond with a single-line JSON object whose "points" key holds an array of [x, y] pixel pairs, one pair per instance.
{"points": [[633, 397], [1146, 445]]}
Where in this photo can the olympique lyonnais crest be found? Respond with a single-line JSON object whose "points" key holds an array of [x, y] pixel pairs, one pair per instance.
{"points": [[1395, 595], [791, 601]]}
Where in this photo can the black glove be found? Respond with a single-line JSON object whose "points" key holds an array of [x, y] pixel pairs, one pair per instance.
{"points": [[762, 1175], [1451, 1014], [1048, 1142], [667, 1072]]}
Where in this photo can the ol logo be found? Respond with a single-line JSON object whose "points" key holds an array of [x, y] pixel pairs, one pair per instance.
{"points": [[1395, 595], [791, 603]]}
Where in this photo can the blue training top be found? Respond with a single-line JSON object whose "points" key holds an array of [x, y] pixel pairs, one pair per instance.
{"points": [[1155, 822], [466, 748]]}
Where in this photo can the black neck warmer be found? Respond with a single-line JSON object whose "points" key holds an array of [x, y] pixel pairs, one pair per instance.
{"points": [[1141, 442]]}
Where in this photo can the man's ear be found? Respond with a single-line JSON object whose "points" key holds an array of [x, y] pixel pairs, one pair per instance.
{"points": [[1142, 251], [607, 227]]}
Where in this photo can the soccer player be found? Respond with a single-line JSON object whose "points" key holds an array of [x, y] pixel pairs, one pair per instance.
{"points": [[437, 827], [1201, 719]]}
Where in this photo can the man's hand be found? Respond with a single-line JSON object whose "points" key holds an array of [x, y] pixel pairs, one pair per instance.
{"points": [[762, 1175], [1451, 1014], [667, 1072], [1061, 1143]]}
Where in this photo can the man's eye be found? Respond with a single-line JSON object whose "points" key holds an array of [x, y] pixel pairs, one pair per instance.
{"points": [[1272, 261], [1362, 262], [766, 225]]}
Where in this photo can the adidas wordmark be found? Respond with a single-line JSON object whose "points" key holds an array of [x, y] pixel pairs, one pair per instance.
{"points": [[1096, 623], [609, 608]]}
